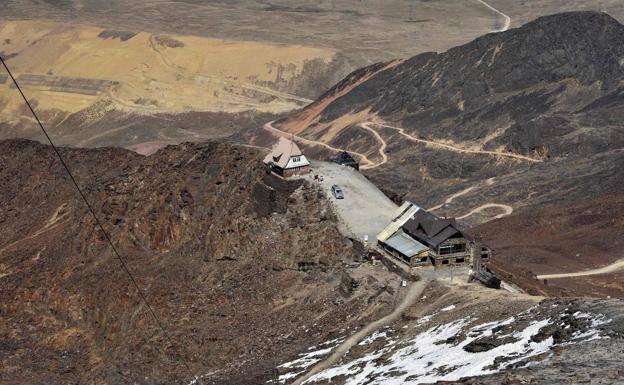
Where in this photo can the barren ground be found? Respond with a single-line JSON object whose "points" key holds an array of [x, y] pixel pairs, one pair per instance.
{"points": [[187, 56], [365, 210]]}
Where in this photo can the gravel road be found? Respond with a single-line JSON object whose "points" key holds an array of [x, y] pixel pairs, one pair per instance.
{"points": [[365, 210]]}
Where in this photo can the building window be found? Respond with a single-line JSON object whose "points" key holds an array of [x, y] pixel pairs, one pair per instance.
{"points": [[296, 158], [445, 261], [454, 248], [459, 260]]}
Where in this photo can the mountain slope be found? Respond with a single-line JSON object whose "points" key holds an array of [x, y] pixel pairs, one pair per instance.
{"points": [[242, 267], [521, 90], [548, 91], [508, 124]]}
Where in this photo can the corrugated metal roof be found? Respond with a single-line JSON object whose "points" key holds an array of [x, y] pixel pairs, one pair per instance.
{"points": [[402, 215], [405, 244]]}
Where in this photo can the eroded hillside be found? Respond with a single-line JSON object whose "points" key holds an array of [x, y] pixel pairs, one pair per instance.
{"points": [[70, 68], [243, 268], [462, 334], [506, 102], [507, 125]]}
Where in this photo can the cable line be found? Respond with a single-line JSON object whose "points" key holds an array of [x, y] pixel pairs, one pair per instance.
{"points": [[97, 220]]}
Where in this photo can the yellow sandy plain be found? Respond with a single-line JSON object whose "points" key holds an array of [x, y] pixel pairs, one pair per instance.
{"points": [[156, 73]]}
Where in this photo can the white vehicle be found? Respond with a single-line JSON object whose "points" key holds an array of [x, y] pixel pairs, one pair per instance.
{"points": [[337, 191]]}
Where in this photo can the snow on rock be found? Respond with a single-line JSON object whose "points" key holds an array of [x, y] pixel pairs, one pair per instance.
{"points": [[441, 353], [375, 336], [292, 369]]}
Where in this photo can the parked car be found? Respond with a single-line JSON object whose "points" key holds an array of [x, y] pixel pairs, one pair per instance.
{"points": [[337, 191]]}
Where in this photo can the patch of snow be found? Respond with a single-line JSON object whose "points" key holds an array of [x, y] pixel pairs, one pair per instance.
{"points": [[593, 333], [376, 335], [423, 320], [436, 354], [448, 308], [308, 359]]}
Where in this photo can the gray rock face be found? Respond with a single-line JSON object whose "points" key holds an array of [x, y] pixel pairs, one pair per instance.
{"points": [[594, 362], [543, 81]]}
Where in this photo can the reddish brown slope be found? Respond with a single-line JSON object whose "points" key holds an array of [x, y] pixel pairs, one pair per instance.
{"points": [[563, 237], [242, 267]]}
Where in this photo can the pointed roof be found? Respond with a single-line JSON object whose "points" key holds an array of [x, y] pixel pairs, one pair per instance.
{"points": [[282, 151], [431, 229]]}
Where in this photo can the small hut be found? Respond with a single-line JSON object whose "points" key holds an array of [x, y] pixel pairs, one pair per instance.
{"points": [[286, 159], [345, 159]]}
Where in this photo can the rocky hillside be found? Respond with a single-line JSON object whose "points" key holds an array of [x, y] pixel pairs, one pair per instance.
{"points": [[538, 89], [561, 238], [243, 268], [549, 90], [462, 334], [511, 123]]}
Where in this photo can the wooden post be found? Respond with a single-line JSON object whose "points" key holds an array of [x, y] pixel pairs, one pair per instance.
{"points": [[475, 255]]}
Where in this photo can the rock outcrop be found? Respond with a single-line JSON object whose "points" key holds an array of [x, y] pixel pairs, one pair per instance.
{"points": [[219, 261]]}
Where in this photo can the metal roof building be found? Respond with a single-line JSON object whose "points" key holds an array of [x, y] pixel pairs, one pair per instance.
{"points": [[405, 244]]}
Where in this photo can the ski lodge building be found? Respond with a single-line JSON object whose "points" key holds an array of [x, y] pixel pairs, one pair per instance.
{"points": [[286, 159], [418, 238]]}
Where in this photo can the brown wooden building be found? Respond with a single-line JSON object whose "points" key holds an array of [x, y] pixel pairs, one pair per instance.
{"points": [[421, 238]]}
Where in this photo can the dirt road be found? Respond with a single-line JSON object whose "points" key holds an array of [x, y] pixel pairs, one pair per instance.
{"points": [[507, 210], [507, 21], [382, 147], [369, 164], [452, 197], [365, 210], [450, 147], [612, 268], [413, 294]]}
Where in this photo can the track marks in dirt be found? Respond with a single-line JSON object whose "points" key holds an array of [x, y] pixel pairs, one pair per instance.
{"points": [[449, 147], [413, 294], [55, 219], [506, 23], [507, 210]]}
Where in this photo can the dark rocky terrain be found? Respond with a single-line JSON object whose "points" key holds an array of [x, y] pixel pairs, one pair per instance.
{"points": [[549, 90], [548, 86], [564, 237], [462, 334], [592, 362], [248, 271], [243, 268]]}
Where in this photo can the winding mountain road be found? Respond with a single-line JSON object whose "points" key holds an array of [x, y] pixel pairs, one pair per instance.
{"points": [[369, 163], [507, 210], [507, 22], [612, 268], [450, 147], [382, 147], [451, 198]]}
